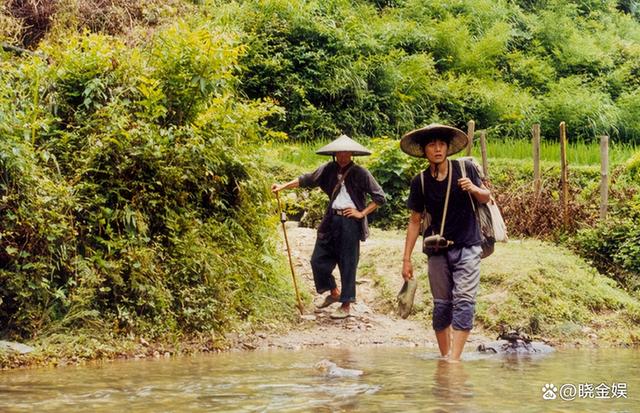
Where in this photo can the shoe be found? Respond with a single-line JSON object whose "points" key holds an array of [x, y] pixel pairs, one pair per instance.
{"points": [[339, 313], [405, 297], [328, 300]]}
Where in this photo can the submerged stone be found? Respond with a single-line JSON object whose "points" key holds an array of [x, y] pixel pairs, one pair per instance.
{"points": [[331, 369]]}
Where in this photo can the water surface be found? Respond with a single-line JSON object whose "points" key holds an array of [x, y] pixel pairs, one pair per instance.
{"points": [[394, 379]]}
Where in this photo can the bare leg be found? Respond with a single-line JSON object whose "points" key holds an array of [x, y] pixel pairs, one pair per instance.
{"points": [[335, 293], [459, 339], [444, 341]]}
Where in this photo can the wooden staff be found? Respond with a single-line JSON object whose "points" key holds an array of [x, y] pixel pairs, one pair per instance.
{"points": [[283, 219], [564, 178], [536, 157], [604, 176], [471, 127]]}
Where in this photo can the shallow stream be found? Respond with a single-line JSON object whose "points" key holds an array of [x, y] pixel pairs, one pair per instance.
{"points": [[393, 380]]}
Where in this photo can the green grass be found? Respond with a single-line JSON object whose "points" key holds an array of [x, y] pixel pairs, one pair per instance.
{"points": [[540, 287], [295, 154], [549, 291], [578, 153]]}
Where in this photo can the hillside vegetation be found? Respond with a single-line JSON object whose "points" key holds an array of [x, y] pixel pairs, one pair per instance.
{"points": [[130, 194], [379, 68]]}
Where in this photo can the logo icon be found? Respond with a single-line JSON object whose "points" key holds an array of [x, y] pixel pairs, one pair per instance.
{"points": [[549, 391]]}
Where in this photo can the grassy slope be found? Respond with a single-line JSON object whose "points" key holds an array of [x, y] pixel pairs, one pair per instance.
{"points": [[549, 290], [538, 286], [542, 288]]}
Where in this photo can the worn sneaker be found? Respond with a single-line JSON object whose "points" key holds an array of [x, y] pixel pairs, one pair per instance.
{"points": [[339, 313], [328, 300]]}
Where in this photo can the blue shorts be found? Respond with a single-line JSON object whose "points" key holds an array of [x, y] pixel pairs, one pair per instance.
{"points": [[454, 279]]}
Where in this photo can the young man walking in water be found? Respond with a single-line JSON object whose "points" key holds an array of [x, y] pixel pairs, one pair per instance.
{"points": [[454, 267], [344, 223]]}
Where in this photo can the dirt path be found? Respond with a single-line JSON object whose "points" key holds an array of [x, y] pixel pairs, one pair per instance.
{"points": [[373, 320]]}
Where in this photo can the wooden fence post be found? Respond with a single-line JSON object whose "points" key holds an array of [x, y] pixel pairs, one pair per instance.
{"points": [[536, 157], [471, 128], [564, 177], [604, 176], [483, 149]]}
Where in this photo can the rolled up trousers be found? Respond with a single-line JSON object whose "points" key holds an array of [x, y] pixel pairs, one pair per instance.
{"points": [[454, 278]]}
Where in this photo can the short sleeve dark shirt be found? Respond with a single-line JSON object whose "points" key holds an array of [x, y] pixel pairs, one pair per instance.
{"points": [[460, 226]]}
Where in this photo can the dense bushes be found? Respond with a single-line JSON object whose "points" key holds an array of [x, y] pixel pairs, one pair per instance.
{"points": [[613, 245], [130, 194], [348, 67], [380, 68]]}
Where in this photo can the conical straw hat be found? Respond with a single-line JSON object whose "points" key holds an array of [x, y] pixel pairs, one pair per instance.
{"points": [[412, 143], [344, 144]]}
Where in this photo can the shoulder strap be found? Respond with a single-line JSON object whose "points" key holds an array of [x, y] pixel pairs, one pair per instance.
{"points": [[463, 171], [340, 181], [446, 198]]}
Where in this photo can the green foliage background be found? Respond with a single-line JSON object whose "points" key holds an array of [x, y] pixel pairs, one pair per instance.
{"points": [[381, 69], [133, 194]]}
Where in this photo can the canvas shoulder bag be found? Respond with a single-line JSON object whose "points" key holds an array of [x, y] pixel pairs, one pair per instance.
{"points": [[489, 219]]}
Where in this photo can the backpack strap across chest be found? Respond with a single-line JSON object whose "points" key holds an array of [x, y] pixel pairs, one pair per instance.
{"points": [[446, 198]]}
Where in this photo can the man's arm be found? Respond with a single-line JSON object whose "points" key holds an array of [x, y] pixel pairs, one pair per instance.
{"points": [[377, 195], [291, 184], [413, 231], [480, 193], [375, 190], [308, 180], [354, 213], [473, 184]]}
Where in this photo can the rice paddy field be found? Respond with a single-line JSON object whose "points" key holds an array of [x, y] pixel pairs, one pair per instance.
{"points": [[578, 153]]}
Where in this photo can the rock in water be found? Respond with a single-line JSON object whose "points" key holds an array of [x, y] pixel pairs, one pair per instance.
{"points": [[12, 346], [331, 369], [514, 342], [509, 347]]}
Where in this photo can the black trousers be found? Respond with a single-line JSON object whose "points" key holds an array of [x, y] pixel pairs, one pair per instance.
{"points": [[341, 248]]}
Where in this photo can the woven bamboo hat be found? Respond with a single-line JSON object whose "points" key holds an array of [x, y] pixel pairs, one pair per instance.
{"points": [[344, 144], [412, 143]]}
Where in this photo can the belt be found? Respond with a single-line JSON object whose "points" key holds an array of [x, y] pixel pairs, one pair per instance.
{"points": [[340, 212]]}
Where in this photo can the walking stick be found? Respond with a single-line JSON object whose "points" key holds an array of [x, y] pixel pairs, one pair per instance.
{"points": [[283, 219]]}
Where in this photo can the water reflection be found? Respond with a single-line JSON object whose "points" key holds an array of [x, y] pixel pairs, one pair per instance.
{"points": [[451, 387]]}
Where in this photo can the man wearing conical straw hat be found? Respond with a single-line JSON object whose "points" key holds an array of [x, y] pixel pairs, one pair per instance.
{"points": [[344, 223], [452, 243]]}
